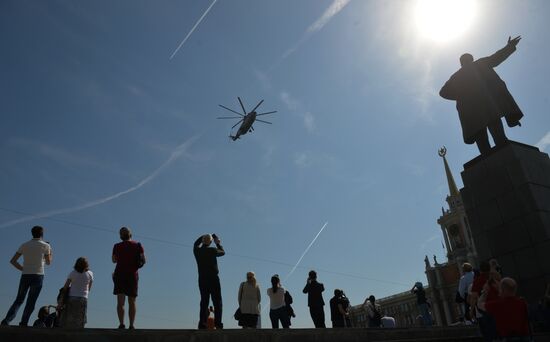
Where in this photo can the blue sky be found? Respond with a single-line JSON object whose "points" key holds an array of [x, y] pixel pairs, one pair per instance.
{"points": [[100, 129]]}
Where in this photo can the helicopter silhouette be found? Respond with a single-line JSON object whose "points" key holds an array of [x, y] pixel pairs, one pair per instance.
{"points": [[247, 119]]}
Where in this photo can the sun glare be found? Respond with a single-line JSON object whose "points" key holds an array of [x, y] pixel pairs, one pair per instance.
{"points": [[443, 20]]}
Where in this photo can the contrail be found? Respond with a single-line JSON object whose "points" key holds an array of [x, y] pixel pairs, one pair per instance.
{"points": [[193, 29], [305, 252], [176, 153], [335, 7]]}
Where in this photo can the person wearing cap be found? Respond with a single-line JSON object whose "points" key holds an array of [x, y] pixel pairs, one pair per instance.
{"points": [[35, 253], [209, 282], [128, 256], [315, 301]]}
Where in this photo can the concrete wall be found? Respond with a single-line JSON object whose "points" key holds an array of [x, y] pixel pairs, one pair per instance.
{"points": [[16, 334]]}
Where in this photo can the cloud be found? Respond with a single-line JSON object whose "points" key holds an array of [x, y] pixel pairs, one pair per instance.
{"points": [[296, 106], [309, 122], [544, 142], [430, 239], [302, 160], [264, 80], [289, 101], [176, 153], [63, 156], [335, 7]]}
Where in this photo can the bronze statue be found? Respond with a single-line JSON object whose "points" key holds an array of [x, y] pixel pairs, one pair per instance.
{"points": [[482, 98]]}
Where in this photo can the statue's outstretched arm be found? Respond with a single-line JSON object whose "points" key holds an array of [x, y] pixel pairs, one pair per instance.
{"points": [[500, 56]]}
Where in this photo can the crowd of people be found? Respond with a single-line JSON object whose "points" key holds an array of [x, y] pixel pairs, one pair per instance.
{"points": [[488, 298], [72, 301]]}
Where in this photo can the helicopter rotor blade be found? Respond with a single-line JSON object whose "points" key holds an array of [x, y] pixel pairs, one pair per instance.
{"points": [[242, 106], [237, 123], [258, 105], [267, 122], [229, 117], [267, 113], [231, 110]]}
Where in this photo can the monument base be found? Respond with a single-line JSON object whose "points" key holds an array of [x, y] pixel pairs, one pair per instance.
{"points": [[506, 196]]}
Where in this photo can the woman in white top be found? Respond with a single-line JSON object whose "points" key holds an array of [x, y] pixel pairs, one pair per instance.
{"points": [[78, 285], [249, 301], [277, 307]]}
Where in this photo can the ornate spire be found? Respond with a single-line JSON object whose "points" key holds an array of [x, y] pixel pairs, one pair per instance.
{"points": [[453, 190]]}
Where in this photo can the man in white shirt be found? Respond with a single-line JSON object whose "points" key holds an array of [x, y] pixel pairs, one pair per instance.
{"points": [[35, 253], [465, 281]]}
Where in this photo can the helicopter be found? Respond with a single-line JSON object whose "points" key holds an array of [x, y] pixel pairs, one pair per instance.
{"points": [[247, 119]]}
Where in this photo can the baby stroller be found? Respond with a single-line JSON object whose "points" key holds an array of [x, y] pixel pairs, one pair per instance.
{"points": [[49, 316]]}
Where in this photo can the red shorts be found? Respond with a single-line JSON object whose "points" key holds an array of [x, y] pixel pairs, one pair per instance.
{"points": [[126, 284]]}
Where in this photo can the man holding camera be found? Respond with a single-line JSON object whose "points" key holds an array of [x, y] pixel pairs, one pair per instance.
{"points": [[315, 300], [209, 282]]}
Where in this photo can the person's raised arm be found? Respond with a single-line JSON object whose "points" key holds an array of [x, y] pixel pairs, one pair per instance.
{"points": [[306, 288], [219, 248], [14, 261], [196, 245]]}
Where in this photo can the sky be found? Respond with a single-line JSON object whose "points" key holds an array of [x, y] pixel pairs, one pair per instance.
{"points": [[108, 119]]}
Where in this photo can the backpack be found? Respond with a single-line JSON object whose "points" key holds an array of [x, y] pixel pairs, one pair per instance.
{"points": [[377, 317], [288, 298]]}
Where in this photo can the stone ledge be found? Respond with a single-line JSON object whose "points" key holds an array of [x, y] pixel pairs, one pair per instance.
{"points": [[16, 334], [443, 334]]}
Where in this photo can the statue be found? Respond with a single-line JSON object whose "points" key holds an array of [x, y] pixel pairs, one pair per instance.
{"points": [[482, 98], [427, 262], [435, 260]]}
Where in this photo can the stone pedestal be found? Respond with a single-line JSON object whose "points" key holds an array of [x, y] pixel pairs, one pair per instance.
{"points": [[506, 195]]}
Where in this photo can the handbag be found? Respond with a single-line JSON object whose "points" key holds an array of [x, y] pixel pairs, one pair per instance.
{"points": [[238, 314]]}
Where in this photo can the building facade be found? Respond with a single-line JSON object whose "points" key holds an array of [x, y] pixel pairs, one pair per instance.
{"points": [[443, 277]]}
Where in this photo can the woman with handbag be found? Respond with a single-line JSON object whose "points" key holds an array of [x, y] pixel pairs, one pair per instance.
{"points": [[249, 302], [277, 306]]}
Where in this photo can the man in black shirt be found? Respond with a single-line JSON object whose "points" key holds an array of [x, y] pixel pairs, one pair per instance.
{"points": [[315, 300], [209, 282]]}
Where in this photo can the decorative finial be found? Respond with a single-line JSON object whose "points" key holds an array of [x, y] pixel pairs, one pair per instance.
{"points": [[442, 151]]}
